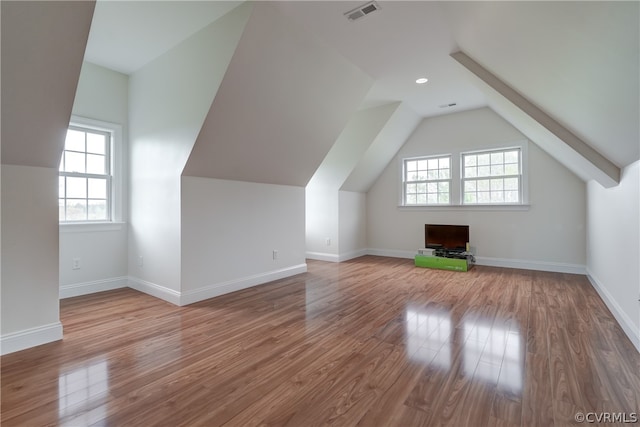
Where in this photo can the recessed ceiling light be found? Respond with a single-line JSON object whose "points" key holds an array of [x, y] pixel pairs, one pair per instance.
{"points": [[422, 80]]}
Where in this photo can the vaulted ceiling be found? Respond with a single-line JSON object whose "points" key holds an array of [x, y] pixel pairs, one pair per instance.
{"points": [[575, 61], [578, 62]]}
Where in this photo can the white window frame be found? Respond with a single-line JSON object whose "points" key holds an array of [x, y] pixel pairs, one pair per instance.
{"points": [[457, 193], [426, 182], [116, 195], [491, 176]]}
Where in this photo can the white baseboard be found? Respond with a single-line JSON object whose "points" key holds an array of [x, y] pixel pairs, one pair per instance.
{"points": [[353, 254], [155, 290], [218, 289], [32, 337], [623, 319], [323, 256], [77, 289], [522, 264], [494, 262]]}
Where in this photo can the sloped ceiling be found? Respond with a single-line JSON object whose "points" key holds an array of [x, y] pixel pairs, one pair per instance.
{"points": [[550, 135], [43, 45], [362, 129], [283, 102], [577, 61], [383, 148], [125, 35]]}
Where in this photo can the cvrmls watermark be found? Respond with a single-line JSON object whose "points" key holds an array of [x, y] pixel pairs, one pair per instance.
{"points": [[606, 417]]}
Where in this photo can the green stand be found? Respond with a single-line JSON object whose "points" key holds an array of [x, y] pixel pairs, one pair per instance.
{"points": [[454, 264]]}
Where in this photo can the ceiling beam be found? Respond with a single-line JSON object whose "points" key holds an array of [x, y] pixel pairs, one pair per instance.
{"points": [[553, 137]]}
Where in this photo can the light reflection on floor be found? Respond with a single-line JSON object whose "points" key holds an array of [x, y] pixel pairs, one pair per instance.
{"points": [[489, 352], [82, 394], [428, 332]]}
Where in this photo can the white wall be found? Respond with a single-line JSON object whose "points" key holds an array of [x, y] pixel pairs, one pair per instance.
{"points": [[102, 94], [323, 228], [169, 99], [352, 224], [30, 310], [230, 230], [613, 254], [321, 225], [549, 236]]}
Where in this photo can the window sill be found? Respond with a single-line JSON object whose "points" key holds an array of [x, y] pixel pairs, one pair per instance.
{"points": [[87, 227], [518, 207]]}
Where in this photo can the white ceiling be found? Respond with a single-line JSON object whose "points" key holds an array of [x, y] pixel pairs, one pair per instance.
{"points": [[125, 35], [578, 61]]}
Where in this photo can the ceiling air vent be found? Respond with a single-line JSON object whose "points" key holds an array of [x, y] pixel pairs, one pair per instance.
{"points": [[361, 11]]}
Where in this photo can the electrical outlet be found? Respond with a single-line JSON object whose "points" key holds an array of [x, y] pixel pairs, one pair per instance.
{"points": [[275, 254], [75, 264], [328, 241]]}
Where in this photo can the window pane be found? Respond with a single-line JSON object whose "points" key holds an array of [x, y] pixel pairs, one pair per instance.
{"points": [[483, 185], [511, 169], [484, 170], [97, 188], [497, 197], [428, 174], [497, 170], [496, 184], [470, 160], [469, 186], [61, 209], [76, 210], [97, 210], [96, 143], [74, 140], [483, 159], [511, 157], [76, 187], [411, 188], [511, 197], [96, 164], [497, 158], [74, 162], [61, 192], [511, 184], [470, 172], [470, 198], [443, 198], [484, 197]]}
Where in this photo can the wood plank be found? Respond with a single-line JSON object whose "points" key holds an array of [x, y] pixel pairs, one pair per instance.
{"points": [[370, 342]]}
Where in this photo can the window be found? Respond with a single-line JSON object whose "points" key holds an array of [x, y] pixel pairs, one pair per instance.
{"points": [[427, 181], [85, 181], [492, 177]]}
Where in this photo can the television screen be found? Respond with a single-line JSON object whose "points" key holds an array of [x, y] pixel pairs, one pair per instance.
{"points": [[450, 237]]}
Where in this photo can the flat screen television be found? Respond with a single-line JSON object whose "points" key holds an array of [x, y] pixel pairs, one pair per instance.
{"points": [[448, 237]]}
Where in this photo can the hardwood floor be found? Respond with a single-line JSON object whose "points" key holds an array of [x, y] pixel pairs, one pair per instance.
{"points": [[370, 342]]}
